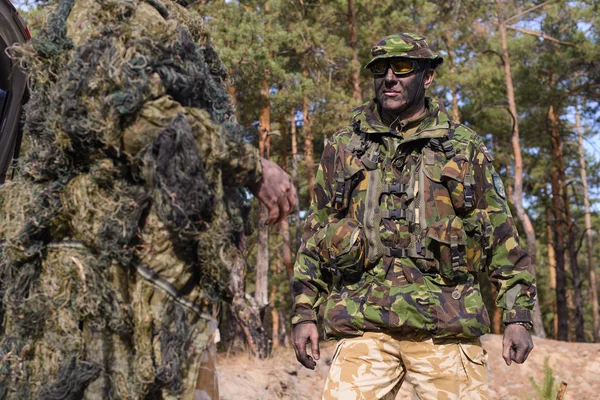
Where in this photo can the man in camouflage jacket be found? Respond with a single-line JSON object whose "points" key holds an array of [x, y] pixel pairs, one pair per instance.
{"points": [[407, 211]]}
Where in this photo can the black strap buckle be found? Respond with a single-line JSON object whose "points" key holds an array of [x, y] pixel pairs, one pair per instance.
{"points": [[339, 188], [448, 149], [396, 252], [399, 213]]}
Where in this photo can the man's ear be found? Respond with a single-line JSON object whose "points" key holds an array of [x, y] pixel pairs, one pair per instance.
{"points": [[428, 78]]}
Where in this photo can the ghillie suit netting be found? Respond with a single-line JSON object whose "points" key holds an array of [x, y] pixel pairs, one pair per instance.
{"points": [[126, 208]]}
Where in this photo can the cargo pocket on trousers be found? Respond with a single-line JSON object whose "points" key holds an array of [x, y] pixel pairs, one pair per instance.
{"points": [[474, 358], [336, 352]]}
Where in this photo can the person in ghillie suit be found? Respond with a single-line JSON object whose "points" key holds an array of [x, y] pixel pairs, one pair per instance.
{"points": [[127, 211], [408, 211]]}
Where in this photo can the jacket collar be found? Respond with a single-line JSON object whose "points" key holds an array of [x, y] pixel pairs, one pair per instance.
{"points": [[435, 124]]}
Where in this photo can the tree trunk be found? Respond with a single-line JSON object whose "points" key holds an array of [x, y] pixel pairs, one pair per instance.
{"points": [[517, 195], [496, 313], [262, 256], [558, 156], [274, 311], [354, 45], [308, 147], [588, 232], [551, 267], [308, 141], [286, 250], [233, 95], [558, 224], [294, 137], [246, 312]]}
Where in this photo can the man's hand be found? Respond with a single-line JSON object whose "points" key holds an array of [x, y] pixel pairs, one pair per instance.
{"points": [[516, 344], [303, 334], [275, 191]]}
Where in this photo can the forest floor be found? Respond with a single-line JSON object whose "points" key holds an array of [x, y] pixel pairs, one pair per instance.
{"points": [[282, 377]]}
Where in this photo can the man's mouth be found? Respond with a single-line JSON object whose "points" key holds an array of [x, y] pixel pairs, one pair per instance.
{"points": [[390, 93]]}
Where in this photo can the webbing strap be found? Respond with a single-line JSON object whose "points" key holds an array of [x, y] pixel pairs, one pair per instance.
{"points": [[400, 213], [412, 252], [340, 184], [398, 188], [372, 216], [468, 183], [371, 158], [488, 231], [356, 142], [448, 149], [457, 259]]}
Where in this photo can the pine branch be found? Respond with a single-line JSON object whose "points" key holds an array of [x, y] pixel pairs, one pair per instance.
{"points": [[542, 35], [544, 4]]}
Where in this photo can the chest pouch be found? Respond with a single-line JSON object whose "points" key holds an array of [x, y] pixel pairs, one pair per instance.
{"points": [[447, 244], [343, 249], [348, 172]]}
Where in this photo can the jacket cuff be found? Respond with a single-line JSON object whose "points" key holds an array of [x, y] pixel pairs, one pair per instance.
{"points": [[518, 315], [301, 317]]}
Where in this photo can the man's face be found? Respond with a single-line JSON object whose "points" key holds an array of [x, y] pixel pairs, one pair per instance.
{"points": [[400, 95]]}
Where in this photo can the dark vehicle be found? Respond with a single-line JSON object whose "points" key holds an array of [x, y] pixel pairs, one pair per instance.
{"points": [[13, 85]]}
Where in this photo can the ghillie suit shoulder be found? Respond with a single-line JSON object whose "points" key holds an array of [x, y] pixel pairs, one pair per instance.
{"points": [[127, 206]]}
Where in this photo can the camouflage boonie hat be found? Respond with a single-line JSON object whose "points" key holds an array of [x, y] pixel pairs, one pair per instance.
{"points": [[404, 44]]}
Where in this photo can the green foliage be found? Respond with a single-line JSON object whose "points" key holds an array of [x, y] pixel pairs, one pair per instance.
{"points": [[548, 388]]}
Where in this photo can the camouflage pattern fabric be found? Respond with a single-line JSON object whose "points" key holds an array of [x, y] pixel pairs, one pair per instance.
{"points": [[124, 219], [405, 45], [436, 222], [375, 365]]}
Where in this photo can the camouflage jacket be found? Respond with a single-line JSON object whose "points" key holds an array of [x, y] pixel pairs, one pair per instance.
{"points": [[399, 228]]}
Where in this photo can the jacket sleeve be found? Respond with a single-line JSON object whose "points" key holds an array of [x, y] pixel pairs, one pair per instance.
{"points": [[310, 285], [509, 266], [241, 166]]}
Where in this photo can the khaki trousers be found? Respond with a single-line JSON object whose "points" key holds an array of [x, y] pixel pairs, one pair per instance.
{"points": [[375, 365]]}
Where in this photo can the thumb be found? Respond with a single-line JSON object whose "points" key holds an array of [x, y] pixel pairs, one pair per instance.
{"points": [[315, 345], [506, 347]]}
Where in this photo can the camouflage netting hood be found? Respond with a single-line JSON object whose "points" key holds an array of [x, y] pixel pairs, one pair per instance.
{"points": [[128, 187]]}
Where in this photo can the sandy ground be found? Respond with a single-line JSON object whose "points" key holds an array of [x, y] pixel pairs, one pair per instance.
{"points": [[242, 377]]}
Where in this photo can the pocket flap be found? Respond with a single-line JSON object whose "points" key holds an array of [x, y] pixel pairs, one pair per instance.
{"points": [[474, 352], [352, 164], [447, 231], [342, 235], [454, 168]]}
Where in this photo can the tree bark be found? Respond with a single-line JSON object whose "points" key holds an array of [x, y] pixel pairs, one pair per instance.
{"points": [[588, 231], [569, 223], [275, 312], [261, 294], [233, 95], [551, 267], [558, 225], [286, 250], [294, 137], [308, 144], [517, 196], [356, 95]]}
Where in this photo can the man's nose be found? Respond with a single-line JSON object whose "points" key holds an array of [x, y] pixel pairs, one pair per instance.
{"points": [[390, 77]]}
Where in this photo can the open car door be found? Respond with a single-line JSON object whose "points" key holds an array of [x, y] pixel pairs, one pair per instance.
{"points": [[13, 85]]}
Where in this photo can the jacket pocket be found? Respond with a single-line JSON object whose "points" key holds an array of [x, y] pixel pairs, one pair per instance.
{"points": [[447, 244], [343, 316], [478, 229], [459, 182], [343, 249], [347, 175]]}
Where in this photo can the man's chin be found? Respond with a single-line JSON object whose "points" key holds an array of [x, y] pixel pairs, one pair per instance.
{"points": [[392, 107]]}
